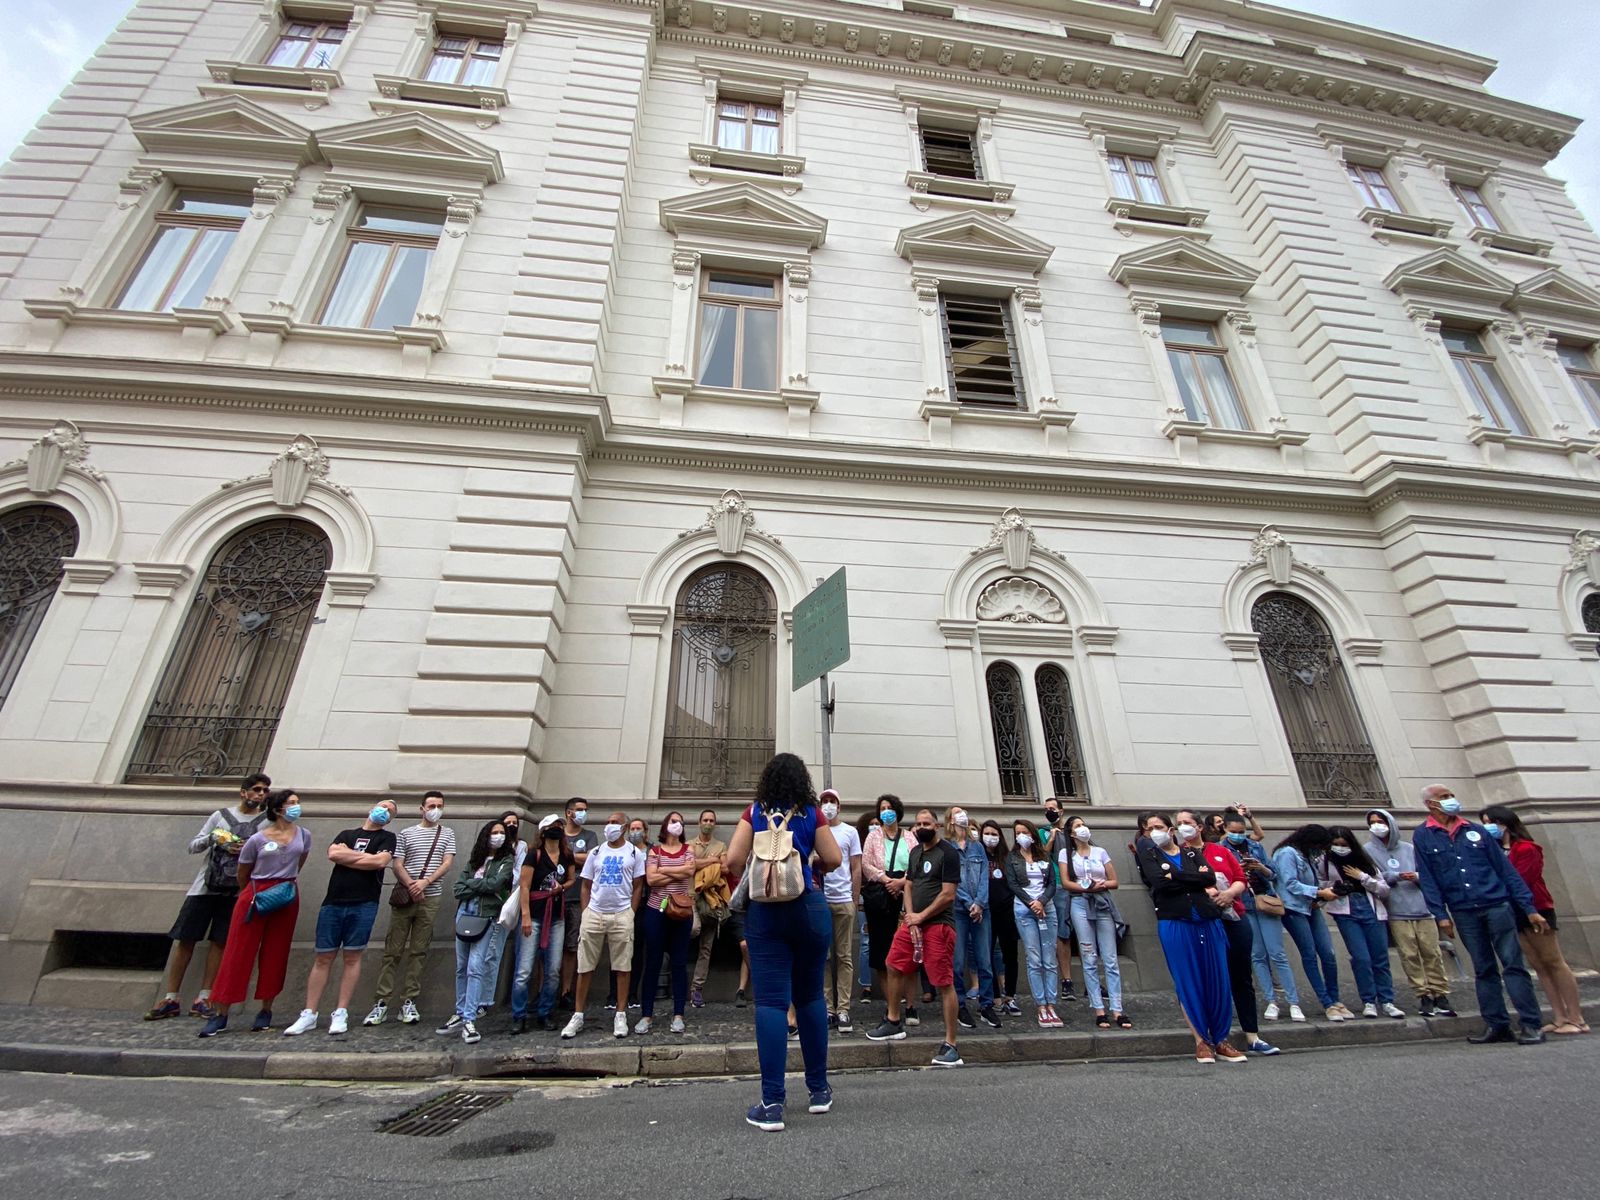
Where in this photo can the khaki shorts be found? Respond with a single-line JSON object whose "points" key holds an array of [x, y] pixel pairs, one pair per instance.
{"points": [[605, 929]]}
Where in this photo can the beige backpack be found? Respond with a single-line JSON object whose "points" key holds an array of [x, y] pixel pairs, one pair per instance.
{"points": [[776, 872]]}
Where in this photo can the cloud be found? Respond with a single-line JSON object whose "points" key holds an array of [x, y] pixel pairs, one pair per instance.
{"points": [[42, 51]]}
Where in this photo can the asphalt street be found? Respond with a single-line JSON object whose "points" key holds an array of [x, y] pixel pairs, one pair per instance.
{"points": [[1418, 1121]]}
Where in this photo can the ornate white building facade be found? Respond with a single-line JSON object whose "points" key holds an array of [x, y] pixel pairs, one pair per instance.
{"points": [[1202, 399]]}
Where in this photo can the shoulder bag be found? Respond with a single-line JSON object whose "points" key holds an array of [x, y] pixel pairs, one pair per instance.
{"points": [[470, 927], [875, 897], [271, 899], [400, 895]]}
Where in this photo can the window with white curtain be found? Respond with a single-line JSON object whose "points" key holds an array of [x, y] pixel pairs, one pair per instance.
{"points": [[1585, 375], [1200, 365], [192, 236], [1136, 178], [461, 58], [307, 44], [1374, 187], [381, 277], [739, 317], [752, 125], [1481, 378]]}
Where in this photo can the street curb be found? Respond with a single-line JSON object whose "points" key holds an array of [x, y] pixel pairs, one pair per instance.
{"points": [[692, 1060]]}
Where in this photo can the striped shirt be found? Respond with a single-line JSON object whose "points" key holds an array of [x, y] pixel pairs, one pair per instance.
{"points": [[415, 842], [679, 887]]}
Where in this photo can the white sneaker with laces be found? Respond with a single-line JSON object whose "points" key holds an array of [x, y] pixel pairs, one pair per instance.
{"points": [[1369, 1010], [678, 1025], [1271, 1013], [469, 1032], [339, 1022], [1296, 1013], [409, 1014], [378, 1015], [1390, 1010], [619, 1025], [305, 1023], [573, 1027]]}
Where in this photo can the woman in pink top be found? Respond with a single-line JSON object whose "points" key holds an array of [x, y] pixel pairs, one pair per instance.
{"points": [[668, 917]]}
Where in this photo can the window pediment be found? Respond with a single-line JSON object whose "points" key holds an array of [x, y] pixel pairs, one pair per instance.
{"points": [[1553, 294], [1181, 264], [411, 145], [971, 239], [1445, 274], [229, 127], [746, 213]]}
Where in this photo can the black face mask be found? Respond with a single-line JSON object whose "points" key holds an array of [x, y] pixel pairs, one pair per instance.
{"points": [[926, 836], [1052, 815]]}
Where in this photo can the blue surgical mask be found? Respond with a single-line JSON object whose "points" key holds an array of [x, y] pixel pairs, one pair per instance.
{"points": [[292, 812], [887, 816], [1238, 839], [379, 815], [1450, 805], [1493, 830]]}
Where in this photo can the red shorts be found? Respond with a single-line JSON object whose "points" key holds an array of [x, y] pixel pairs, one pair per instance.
{"points": [[938, 954]]}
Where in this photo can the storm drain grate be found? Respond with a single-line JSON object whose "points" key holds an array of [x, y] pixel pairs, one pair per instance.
{"points": [[436, 1117]]}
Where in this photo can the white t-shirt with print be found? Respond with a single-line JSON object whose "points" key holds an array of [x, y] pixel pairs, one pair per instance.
{"points": [[836, 883], [1089, 866], [1038, 871], [611, 871]]}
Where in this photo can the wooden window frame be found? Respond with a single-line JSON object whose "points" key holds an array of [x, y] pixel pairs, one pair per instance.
{"points": [[741, 303], [1218, 351], [384, 237], [749, 122], [319, 31], [1130, 173], [171, 218], [1368, 180], [1585, 379], [1478, 211], [1464, 361], [474, 43]]}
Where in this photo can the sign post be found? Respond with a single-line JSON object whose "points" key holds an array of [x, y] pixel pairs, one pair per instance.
{"points": [[822, 642]]}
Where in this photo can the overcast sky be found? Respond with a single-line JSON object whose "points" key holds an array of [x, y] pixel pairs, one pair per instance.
{"points": [[1549, 52]]}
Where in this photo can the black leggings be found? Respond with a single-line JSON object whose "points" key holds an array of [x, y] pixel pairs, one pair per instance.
{"points": [[1005, 936], [1241, 974]]}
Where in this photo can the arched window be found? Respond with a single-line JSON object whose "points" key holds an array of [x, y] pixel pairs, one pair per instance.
{"points": [[1068, 781], [1329, 742], [33, 540], [722, 697], [1008, 715], [221, 696], [1591, 613]]}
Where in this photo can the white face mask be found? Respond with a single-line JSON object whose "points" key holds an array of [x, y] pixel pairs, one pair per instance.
{"points": [[1378, 829], [579, 817], [496, 840], [1024, 841], [991, 840], [675, 828], [1341, 851], [1081, 833], [613, 832], [830, 810], [1161, 837], [432, 815], [961, 820], [1186, 832]]}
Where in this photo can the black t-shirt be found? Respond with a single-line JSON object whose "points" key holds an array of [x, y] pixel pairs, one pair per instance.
{"points": [[547, 873], [579, 843], [347, 885], [929, 870]]}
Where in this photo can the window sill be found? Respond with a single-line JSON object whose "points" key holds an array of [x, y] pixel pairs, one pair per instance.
{"points": [[674, 390], [1402, 225], [416, 343], [1188, 434], [1165, 218], [1509, 243], [929, 190], [69, 312], [942, 416], [401, 94], [744, 166], [242, 78]]}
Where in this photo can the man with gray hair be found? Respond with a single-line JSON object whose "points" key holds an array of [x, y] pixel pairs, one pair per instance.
{"points": [[1471, 888]]}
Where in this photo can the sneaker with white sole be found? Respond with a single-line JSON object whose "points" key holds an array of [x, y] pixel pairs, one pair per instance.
{"points": [[573, 1027], [1271, 1012], [766, 1117], [948, 1056], [378, 1015], [1333, 1012], [1369, 1010], [619, 1025], [887, 1031], [409, 1014], [339, 1022], [450, 1026], [1296, 1013], [821, 1101], [909, 1016], [1391, 1010], [844, 1025], [305, 1023], [1262, 1048], [469, 1032], [678, 1025], [643, 1027]]}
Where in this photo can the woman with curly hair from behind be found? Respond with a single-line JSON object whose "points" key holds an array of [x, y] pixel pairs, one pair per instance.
{"points": [[789, 939]]}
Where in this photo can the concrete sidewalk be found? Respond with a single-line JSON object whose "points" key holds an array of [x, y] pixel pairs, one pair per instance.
{"points": [[720, 1041]]}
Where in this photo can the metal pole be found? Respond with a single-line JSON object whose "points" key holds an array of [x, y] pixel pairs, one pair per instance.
{"points": [[827, 733]]}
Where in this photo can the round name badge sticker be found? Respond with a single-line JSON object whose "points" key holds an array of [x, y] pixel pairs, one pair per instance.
{"points": [[997, 872], [927, 868], [1474, 836], [268, 846], [1395, 863]]}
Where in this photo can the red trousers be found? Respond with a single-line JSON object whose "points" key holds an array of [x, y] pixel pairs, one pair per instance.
{"points": [[253, 935]]}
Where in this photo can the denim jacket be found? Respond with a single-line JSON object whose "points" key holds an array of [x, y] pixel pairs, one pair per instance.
{"points": [[1252, 849], [1297, 881], [974, 885], [1466, 870]]}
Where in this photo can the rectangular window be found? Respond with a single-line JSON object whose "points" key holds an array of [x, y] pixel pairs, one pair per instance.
{"points": [[1481, 378], [381, 277], [307, 44], [980, 351], [1200, 365], [1475, 206], [192, 237], [1585, 376], [751, 125], [739, 332], [470, 61], [1135, 178], [952, 153], [1374, 188]]}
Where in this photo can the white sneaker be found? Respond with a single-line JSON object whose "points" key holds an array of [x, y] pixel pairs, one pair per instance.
{"points": [[1296, 1013], [678, 1025], [642, 1027], [573, 1027], [378, 1015], [619, 1025], [1271, 1013], [409, 1014], [339, 1022], [1389, 1010], [469, 1032], [1369, 1010], [306, 1022]]}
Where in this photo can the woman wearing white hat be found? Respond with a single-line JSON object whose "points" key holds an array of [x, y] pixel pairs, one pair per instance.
{"points": [[547, 872]]}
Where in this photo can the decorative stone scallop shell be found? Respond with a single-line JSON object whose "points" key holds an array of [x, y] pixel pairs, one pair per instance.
{"points": [[1021, 602]]}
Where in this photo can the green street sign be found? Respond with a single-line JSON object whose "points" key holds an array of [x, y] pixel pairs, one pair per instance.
{"points": [[821, 631]]}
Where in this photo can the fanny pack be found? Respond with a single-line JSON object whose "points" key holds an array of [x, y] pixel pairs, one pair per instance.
{"points": [[271, 899]]}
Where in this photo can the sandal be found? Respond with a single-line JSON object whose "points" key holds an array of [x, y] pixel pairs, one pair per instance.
{"points": [[1101, 1021], [1567, 1029], [1122, 1021]]}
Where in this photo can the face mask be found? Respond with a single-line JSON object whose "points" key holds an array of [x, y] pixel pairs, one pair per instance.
{"points": [[636, 836], [926, 836], [432, 815], [675, 828], [961, 820], [708, 827], [1161, 837], [553, 833], [511, 832], [1340, 851], [887, 816], [496, 840], [1052, 815], [1024, 840], [1238, 839], [1186, 832], [1081, 833], [1493, 830], [991, 840], [379, 815], [292, 812], [578, 818], [613, 832], [830, 810], [250, 803], [1450, 805], [1378, 829]]}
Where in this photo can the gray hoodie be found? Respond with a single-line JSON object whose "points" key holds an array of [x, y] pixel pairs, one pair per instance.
{"points": [[1392, 855]]}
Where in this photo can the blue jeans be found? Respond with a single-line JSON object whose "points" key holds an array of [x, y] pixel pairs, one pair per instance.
{"points": [[789, 946], [345, 926], [1038, 935], [1490, 935], [1311, 938], [1269, 959], [1097, 947], [1367, 941], [477, 968], [527, 951], [973, 937], [863, 963]]}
